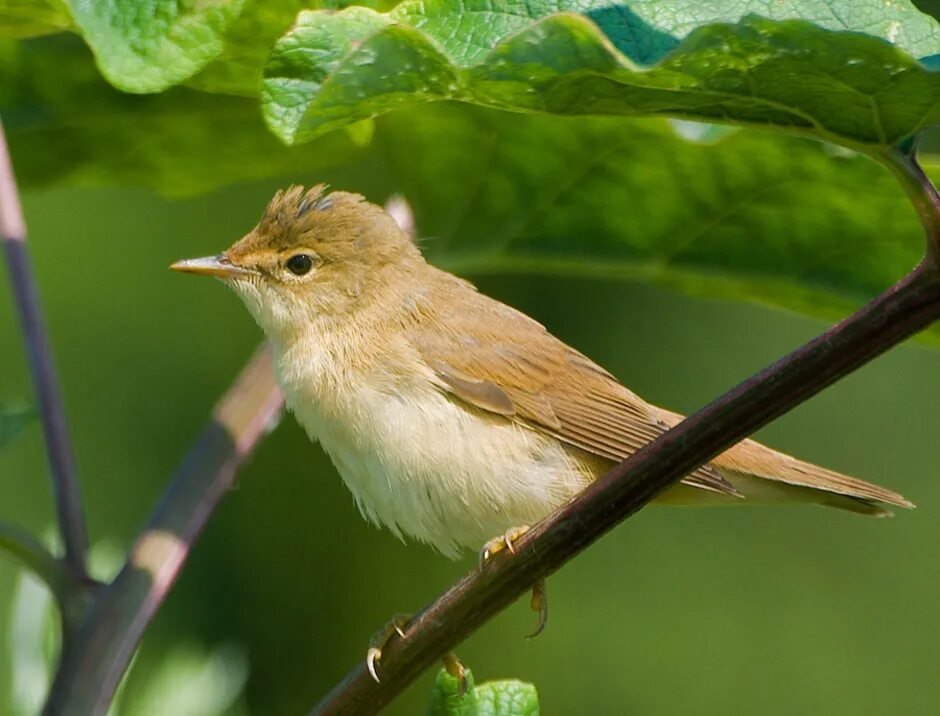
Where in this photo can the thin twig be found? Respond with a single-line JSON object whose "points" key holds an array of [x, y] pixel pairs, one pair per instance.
{"points": [[906, 308], [39, 351], [92, 667]]}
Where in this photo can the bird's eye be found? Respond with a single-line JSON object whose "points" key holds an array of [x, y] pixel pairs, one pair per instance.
{"points": [[300, 264]]}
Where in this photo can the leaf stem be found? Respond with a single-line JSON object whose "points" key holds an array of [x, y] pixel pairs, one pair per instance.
{"points": [[923, 195], [92, 666], [39, 351], [906, 308]]}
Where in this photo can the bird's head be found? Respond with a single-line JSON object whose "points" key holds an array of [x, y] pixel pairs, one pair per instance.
{"points": [[314, 256]]}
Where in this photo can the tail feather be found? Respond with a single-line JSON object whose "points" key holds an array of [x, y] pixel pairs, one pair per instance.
{"points": [[753, 459], [750, 459]]}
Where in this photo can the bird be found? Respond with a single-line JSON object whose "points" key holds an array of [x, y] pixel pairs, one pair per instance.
{"points": [[455, 419]]}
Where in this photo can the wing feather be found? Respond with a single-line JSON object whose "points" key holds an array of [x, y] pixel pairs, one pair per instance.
{"points": [[494, 358]]}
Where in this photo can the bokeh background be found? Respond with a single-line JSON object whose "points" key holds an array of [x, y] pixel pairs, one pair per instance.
{"points": [[694, 611], [679, 611]]}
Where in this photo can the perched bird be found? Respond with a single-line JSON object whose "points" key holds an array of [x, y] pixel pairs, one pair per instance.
{"points": [[450, 416]]}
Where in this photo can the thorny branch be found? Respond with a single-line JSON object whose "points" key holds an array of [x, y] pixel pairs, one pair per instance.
{"points": [[906, 308]]}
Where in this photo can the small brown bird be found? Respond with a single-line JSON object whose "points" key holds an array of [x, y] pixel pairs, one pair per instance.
{"points": [[452, 417]]}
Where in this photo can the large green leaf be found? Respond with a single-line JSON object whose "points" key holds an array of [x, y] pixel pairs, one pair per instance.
{"points": [[248, 41], [149, 45], [756, 216], [834, 74], [246, 45]]}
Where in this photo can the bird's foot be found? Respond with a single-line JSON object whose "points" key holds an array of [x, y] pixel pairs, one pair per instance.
{"points": [[539, 594], [503, 542], [381, 638]]}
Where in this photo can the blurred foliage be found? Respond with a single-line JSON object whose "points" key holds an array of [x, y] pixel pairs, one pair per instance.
{"points": [[795, 610], [768, 218]]}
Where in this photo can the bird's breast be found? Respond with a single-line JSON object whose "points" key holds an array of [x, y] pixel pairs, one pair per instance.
{"points": [[424, 465]]}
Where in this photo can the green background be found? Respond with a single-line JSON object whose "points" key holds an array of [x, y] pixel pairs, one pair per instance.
{"points": [[692, 611]]}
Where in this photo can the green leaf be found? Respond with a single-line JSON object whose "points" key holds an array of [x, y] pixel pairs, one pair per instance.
{"points": [[751, 216], [715, 63], [248, 41], [449, 697], [150, 45], [246, 45], [507, 698], [14, 421]]}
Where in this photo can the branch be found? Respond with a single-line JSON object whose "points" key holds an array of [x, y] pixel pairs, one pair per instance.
{"points": [[39, 352], [906, 308], [92, 666]]}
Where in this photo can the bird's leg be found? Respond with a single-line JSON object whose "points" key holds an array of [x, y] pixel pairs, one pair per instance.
{"points": [[539, 604], [381, 638], [539, 594]]}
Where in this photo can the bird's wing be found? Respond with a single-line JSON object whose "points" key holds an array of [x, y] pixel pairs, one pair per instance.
{"points": [[494, 358]]}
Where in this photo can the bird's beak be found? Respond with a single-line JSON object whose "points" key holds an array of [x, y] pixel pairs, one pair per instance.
{"points": [[218, 266]]}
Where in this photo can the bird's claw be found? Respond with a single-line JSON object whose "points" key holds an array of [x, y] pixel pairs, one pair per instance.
{"points": [[539, 604], [372, 656], [503, 542], [539, 595], [379, 640]]}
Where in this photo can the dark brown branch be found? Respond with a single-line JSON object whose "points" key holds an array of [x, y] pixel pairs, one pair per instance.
{"points": [[92, 666], [39, 352], [906, 308]]}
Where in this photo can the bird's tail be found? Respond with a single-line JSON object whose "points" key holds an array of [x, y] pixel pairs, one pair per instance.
{"points": [[761, 474]]}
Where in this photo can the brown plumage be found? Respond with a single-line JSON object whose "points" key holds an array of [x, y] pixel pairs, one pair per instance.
{"points": [[529, 376], [451, 416]]}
